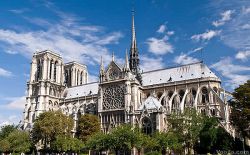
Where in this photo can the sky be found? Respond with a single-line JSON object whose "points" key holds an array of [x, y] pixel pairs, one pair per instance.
{"points": [[169, 33]]}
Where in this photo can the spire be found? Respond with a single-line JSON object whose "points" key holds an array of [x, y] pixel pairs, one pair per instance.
{"points": [[126, 66], [134, 54], [133, 40]]}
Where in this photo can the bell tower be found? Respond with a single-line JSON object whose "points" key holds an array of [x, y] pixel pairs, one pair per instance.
{"points": [[45, 86]]}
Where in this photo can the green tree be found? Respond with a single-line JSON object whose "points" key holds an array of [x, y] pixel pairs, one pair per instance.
{"points": [[98, 142], [167, 140], [122, 139], [87, 125], [142, 141], [49, 125], [187, 126], [6, 130], [66, 143], [19, 141], [240, 114], [4, 146], [208, 135]]}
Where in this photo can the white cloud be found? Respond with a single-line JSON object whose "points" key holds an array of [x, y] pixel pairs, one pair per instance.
{"points": [[18, 103], [5, 73], [245, 26], [225, 16], [246, 10], [242, 55], [159, 46], [9, 120], [170, 33], [74, 41], [235, 74], [149, 63], [184, 59], [162, 28], [206, 35]]}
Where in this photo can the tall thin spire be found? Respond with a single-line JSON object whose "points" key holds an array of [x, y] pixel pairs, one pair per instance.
{"points": [[134, 54], [133, 40]]}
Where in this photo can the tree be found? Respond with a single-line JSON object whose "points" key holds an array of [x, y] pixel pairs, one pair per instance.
{"points": [[4, 146], [208, 135], [240, 114], [142, 141], [87, 125], [187, 126], [66, 143], [122, 139], [49, 125], [19, 141], [6, 130], [98, 142], [167, 140]]}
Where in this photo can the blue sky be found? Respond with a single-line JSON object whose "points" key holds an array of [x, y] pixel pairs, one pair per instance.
{"points": [[169, 33]]}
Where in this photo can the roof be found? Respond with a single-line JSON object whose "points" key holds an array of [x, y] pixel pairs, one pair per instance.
{"points": [[150, 103], [174, 74], [83, 90]]}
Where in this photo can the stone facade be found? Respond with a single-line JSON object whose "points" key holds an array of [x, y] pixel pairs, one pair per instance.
{"points": [[123, 93]]}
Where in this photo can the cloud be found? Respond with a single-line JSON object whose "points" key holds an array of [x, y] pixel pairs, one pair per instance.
{"points": [[159, 46], [74, 41], [225, 16], [18, 103], [150, 63], [184, 59], [162, 28], [18, 11], [5, 73], [235, 74], [206, 35], [242, 55], [246, 10], [9, 120]]}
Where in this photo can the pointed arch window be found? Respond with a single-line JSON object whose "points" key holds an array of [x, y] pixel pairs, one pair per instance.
{"points": [[55, 67], [147, 126]]}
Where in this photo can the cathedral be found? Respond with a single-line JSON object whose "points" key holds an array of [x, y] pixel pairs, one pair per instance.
{"points": [[123, 93]]}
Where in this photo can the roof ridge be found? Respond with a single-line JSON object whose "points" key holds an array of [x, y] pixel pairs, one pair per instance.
{"points": [[173, 67], [84, 84]]}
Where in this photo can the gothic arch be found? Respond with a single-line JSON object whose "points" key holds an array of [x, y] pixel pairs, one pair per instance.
{"points": [[147, 125], [204, 95]]}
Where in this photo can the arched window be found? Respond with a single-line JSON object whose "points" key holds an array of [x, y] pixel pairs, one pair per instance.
{"points": [[39, 70], [204, 95], [212, 112], [176, 104], [214, 95], [181, 94], [55, 67], [146, 126], [81, 78], [77, 77], [50, 69], [170, 94], [66, 77]]}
